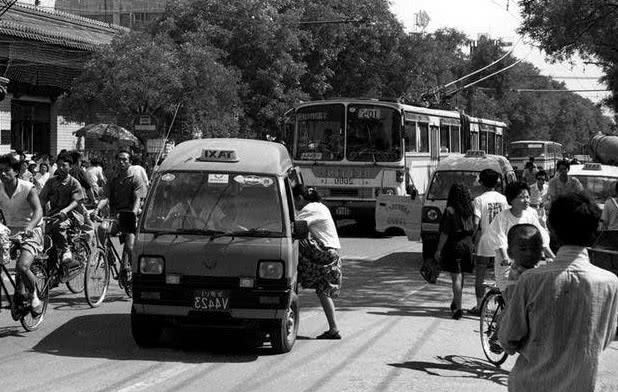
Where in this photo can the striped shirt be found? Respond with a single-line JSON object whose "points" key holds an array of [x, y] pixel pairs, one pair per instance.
{"points": [[559, 318]]}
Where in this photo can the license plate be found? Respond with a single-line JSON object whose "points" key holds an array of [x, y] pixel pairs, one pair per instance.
{"points": [[211, 300], [342, 211]]}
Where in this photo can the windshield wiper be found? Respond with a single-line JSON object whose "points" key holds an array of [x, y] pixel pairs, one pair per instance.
{"points": [[234, 233], [178, 232]]}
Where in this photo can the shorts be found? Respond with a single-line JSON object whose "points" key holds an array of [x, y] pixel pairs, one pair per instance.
{"points": [[457, 257], [34, 243], [127, 222]]}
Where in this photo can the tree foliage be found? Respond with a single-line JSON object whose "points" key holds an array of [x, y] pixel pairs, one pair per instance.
{"points": [[237, 66], [568, 27]]}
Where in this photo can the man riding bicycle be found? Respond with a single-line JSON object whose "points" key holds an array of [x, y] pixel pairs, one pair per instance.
{"points": [[124, 194], [64, 195], [22, 212]]}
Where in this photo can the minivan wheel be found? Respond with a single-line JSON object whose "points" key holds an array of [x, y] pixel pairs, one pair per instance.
{"points": [[146, 330], [283, 333]]}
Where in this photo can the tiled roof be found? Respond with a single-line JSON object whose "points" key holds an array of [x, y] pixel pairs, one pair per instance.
{"points": [[56, 27]]}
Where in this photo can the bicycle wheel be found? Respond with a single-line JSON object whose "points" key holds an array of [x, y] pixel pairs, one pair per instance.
{"points": [[491, 307], [81, 252], [124, 279], [29, 321], [97, 276]]}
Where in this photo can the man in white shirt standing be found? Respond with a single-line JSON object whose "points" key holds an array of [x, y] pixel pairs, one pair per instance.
{"points": [[538, 192], [486, 207]]}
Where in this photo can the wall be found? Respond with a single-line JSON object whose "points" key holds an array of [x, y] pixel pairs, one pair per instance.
{"points": [[62, 132]]}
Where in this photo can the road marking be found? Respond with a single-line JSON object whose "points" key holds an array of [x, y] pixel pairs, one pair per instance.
{"points": [[411, 293], [160, 378]]}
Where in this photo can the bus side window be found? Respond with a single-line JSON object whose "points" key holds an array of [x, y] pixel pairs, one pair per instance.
{"points": [[410, 136], [423, 129], [455, 139]]}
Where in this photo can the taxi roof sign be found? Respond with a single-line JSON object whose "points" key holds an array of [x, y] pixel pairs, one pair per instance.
{"points": [[218, 156], [592, 166], [475, 154]]}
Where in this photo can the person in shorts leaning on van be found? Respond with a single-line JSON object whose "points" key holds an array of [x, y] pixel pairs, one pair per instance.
{"points": [[124, 194], [486, 206], [319, 264]]}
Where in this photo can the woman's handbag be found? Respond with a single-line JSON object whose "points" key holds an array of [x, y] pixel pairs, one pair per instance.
{"points": [[430, 270]]}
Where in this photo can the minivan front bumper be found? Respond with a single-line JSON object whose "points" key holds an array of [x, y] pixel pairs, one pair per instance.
{"points": [[152, 296]]}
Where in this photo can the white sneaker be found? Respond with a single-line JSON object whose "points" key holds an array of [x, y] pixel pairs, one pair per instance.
{"points": [[67, 257]]}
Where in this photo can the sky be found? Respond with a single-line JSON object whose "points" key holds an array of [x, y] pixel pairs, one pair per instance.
{"points": [[491, 17]]}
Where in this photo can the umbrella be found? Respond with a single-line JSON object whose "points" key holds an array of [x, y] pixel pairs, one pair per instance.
{"points": [[109, 133]]}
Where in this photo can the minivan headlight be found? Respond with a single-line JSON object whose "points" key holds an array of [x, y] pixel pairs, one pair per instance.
{"points": [[268, 269], [151, 265]]}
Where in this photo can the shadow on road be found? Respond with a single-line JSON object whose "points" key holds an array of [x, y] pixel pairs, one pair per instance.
{"points": [[15, 331], [391, 282], [456, 366], [108, 336]]}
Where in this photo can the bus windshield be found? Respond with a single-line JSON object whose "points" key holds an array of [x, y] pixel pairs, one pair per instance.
{"points": [[320, 133], [599, 188], [443, 180], [373, 134], [526, 150], [203, 202]]}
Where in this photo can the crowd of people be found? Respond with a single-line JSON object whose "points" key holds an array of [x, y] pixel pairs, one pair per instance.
{"points": [[559, 316], [64, 189]]}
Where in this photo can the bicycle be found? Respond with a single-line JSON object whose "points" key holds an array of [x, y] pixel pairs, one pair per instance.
{"points": [[105, 265], [491, 308], [72, 276], [18, 302]]}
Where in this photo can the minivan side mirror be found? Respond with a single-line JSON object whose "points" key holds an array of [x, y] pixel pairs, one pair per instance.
{"points": [[300, 230]]}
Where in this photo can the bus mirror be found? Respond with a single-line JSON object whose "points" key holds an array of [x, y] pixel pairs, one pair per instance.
{"points": [[300, 230], [411, 190]]}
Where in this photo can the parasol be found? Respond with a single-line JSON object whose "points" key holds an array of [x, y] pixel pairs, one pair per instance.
{"points": [[109, 133]]}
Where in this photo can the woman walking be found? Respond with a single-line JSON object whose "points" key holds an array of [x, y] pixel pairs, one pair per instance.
{"points": [[319, 265], [518, 196], [455, 246]]}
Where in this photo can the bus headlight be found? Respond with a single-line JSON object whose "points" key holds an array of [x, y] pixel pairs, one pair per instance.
{"points": [[151, 265], [268, 269]]}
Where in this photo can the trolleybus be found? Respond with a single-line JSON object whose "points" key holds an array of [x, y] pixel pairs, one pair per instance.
{"points": [[355, 151]]}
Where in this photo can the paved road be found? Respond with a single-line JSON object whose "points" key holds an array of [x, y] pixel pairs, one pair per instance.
{"points": [[398, 336]]}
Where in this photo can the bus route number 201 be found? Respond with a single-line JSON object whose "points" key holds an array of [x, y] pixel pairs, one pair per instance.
{"points": [[343, 181]]}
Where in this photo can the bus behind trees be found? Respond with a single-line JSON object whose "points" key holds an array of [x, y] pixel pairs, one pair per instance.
{"points": [[545, 153], [355, 151]]}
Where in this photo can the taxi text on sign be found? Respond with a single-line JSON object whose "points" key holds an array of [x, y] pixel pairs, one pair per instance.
{"points": [[218, 156]]}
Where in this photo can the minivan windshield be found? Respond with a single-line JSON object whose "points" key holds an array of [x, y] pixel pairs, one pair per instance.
{"points": [[443, 180], [600, 188], [215, 203]]}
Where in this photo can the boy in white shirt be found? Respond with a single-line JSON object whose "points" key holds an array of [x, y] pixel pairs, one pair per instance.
{"points": [[486, 207]]}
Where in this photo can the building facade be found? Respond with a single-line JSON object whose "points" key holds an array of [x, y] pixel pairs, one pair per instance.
{"points": [[41, 52], [133, 14]]}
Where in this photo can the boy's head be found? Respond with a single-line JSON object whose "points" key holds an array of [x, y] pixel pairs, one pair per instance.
{"points": [[525, 245]]}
